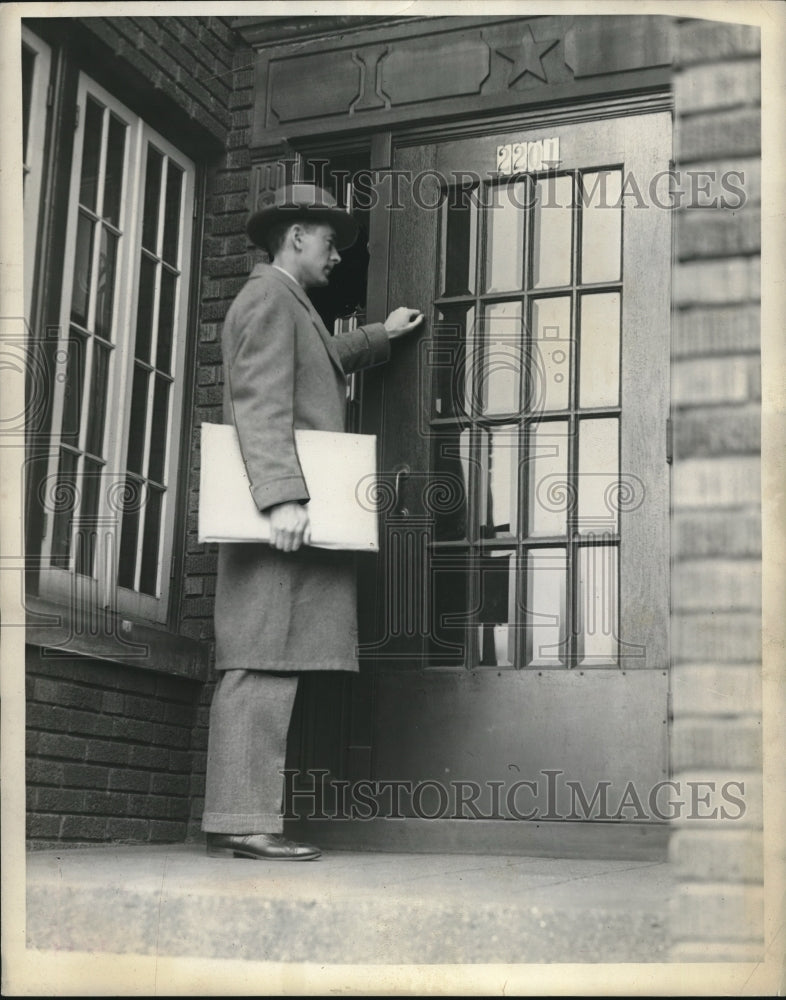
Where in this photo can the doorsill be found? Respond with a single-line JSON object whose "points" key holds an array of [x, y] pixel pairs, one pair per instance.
{"points": [[602, 841]]}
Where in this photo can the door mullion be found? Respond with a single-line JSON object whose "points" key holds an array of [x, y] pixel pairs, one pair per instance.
{"points": [[571, 549], [471, 644]]}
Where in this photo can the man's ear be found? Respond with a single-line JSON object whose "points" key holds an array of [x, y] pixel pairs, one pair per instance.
{"points": [[296, 233]]}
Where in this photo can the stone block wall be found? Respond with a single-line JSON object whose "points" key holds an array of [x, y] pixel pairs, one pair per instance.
{"points": [[716, 847]]}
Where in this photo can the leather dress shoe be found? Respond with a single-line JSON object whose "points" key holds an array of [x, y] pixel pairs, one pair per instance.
{"points": [[260, 847]]}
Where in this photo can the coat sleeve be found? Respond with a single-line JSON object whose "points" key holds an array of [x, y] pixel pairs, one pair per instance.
{"points": [[261, 373], [364, 347]]}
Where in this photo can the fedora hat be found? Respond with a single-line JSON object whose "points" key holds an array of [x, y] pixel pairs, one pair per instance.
{"points": [[301, 202]]}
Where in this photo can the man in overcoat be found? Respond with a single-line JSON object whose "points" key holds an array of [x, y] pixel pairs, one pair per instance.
{"points": [[282, 608]]}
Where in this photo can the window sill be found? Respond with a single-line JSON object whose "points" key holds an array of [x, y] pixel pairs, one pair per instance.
{"points": [[88, 632]]}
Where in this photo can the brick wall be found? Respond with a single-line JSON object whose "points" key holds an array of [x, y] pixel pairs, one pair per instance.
{"points": [[115, 753], [187, 60], [109, 752], [716, 595]]}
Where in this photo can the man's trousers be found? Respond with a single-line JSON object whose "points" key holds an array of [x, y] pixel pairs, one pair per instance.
{"points": [[246, 751]]}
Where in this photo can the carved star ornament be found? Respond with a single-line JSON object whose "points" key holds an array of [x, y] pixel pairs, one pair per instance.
{"points": [[526, 56]]}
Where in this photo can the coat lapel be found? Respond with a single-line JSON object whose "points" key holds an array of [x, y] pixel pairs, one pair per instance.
{"points": [[305, 301]]}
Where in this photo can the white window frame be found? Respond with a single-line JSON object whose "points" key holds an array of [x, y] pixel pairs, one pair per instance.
{"points": [[33, 167], [101, 591]]}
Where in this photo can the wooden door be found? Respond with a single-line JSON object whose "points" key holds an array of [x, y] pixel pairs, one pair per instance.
{"points": [[515, 645]]}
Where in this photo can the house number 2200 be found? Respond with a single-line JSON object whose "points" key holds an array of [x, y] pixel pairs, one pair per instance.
{"points": [[520, 157]]}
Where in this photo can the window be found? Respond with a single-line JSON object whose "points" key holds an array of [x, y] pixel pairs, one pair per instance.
{"points": [[36, 60], [109, 490], [526, 415]]}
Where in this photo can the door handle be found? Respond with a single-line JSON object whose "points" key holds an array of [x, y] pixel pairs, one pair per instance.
{"points": [[401, 473]]}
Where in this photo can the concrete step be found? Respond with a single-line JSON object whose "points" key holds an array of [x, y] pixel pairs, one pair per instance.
{"points": [[348, 907]]}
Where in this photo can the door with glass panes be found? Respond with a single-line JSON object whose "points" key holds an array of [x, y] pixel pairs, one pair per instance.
{"points": [[521, 609]]}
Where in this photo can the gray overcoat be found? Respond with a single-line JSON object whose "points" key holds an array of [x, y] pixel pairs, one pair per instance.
{"points": [[282, 370]]}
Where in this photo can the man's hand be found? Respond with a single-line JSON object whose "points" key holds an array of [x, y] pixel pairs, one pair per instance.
{"points": [[402, 320], [289, 526]]}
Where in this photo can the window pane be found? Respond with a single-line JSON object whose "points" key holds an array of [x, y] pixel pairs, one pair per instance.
{"points": [[148, 582], [552, 231], [499, 485], [98, 398], [505, 237], [459, 235], [449, 488], [145, 306], [498, 374], [546, 614], [166, 321], [449, 576], [174, 186], [597, 605], [83, 263], [63, 502], [451, 361], [73, 390], [28, 64], [159, 430], [601, 226], [133, 497], [497, 618], [91, 155], [113, 182], [155, 163], [136, 431], [549, 385], [600, 350], [105, 289], [549, 490], [598, 475], [88, 511], [130, 228]]}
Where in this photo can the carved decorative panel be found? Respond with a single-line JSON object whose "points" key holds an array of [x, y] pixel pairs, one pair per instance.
{"points": [[311, 86], [599, 45], [379, 75], [266, 177], [435, 67]]}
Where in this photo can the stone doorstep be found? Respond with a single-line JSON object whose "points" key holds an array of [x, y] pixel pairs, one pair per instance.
{"points": [[348, 907]]}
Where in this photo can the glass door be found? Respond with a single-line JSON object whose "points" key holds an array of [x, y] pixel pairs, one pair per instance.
{"points": [[522, 597]]}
